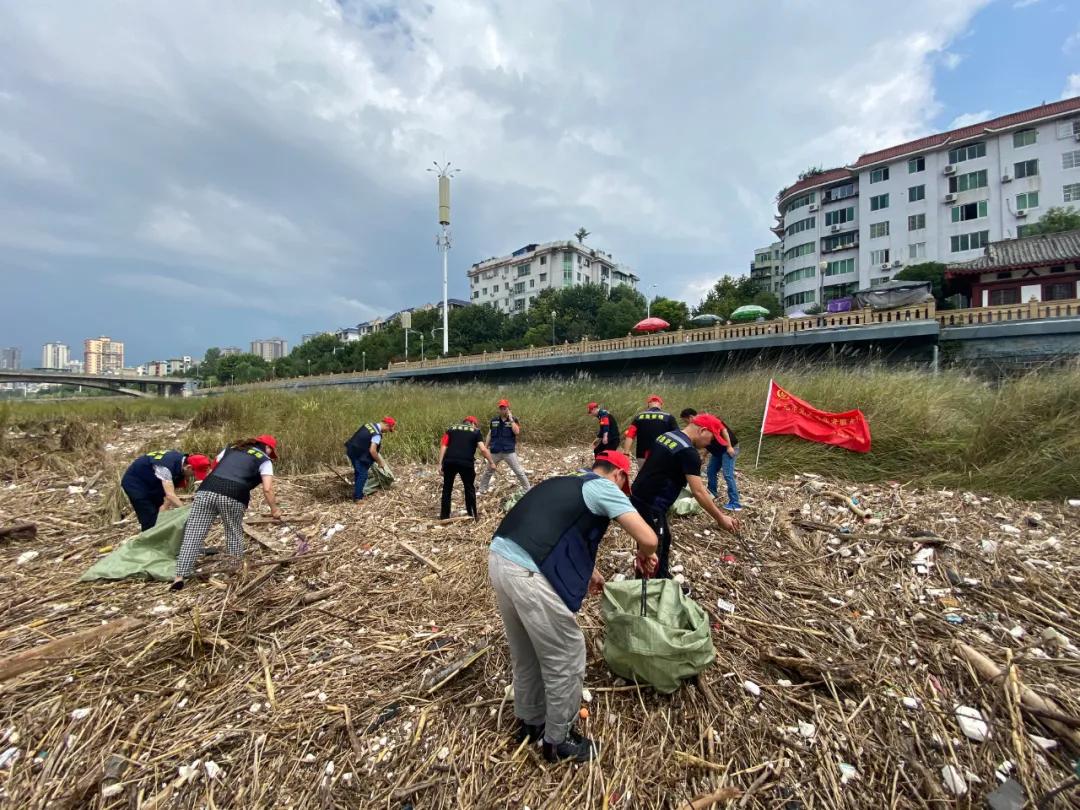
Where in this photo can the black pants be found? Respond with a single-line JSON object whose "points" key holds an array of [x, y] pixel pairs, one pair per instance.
{"points": [[146, 510], [468, 480], [657, 520]]}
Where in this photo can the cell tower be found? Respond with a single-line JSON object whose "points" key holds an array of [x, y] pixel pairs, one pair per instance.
{"points": [[442, 242]]}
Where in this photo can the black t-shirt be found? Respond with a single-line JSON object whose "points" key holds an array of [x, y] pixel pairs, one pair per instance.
{"points": [[648, 425], [717, 448], [663, 475], [607, 424], [461, 441]]}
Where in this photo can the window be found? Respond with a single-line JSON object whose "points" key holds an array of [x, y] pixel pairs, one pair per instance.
{"points": [[799, 298], [1024, 230], [543, 260], [916, 222], [1059, 290], [843, 240], [916, 165], [879, 202], [966, 182], [495, 288], [801, 225], [1025, 137], [969, 152], [799, 250], [519, 305], [1071, 192], [1071, 160], [1026, 200], [543, 278], [1026, 168], [879, 229], [840, 267], [519, 287], [522, 270], [916, 193], [483, 291], [878, 175], [799, 202], [839, 192], [975, 210], [969, 241], [916, 250], [835, 291], [877, 282], [532, 283], [1000, 298], [840, 216], [801, 273], [879, 256], [476, 294]]}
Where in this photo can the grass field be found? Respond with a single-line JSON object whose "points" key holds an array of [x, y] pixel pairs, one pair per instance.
{"points": [[1020, 437]]}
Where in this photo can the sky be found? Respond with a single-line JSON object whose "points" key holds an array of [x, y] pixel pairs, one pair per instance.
{"points": [[186, 175]]}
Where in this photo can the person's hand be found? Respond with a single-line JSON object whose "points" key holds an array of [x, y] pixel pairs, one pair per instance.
{"points": [[646, 565], [730, 524], [731, 451], [596, 583], [275, 513], [491, 466]]}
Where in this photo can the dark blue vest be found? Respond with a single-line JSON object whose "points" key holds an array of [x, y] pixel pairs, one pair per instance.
{"points": [[555, 527], [139, 480], [501, 439], [236, 474], [359, 444]]}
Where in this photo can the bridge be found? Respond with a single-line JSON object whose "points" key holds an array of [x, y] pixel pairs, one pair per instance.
{"points": [[1003, 336], [130, 385]]}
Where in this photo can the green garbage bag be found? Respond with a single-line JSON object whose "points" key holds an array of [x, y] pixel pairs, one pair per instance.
{"points": [[510, 502], [151, 554], [686, 504], [668, 641], [378, 478]]}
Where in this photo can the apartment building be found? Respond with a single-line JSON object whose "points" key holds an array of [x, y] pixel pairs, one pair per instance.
{"points": [[270, 349], [511, 283], [941, 198], [767, 268], [229, 351], [103, 355], [378, 324], [10, 358], [55, 356]]}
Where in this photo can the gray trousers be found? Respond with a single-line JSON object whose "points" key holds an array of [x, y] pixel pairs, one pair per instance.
{"points": [[511, 460], [546, 646]]}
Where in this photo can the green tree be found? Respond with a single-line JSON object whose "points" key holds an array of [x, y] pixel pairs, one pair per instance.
{"points": [[242, 368], [582, 234], [764, 298], [674, 312], [727, 295], [934, 272], [1055, 220]]}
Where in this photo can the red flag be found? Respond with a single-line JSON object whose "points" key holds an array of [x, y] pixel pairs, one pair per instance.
{"points": [[785, 413]]}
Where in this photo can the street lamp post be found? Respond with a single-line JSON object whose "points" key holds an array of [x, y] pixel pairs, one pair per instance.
{"points": [[421, 334], [648, 302], [442, 241], [363, 354], [553, 314]]}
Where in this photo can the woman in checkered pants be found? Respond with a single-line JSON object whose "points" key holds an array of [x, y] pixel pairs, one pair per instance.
{"points": [[225, 493]]}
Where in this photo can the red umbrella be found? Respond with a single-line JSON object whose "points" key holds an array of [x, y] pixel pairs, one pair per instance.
{"points": [[651, 325]]}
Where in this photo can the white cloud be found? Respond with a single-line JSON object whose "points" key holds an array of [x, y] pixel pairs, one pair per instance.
{"points": [[951, 60], [1072, 86], [967, 119], [1024, 3], [1071, 42]]}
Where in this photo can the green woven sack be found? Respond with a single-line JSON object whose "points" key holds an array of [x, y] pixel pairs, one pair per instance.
{"points": [[151, 554], [654, 634]]}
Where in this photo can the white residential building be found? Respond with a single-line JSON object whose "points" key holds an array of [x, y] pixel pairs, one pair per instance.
{"points": [[767, 268], [269, 349], [942, 198], [511, 283], [56, 356]]}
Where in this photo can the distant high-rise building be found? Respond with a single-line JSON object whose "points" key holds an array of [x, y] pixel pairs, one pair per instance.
{"points": [[180, 364], [103, 355], [767, 269], [55, 355], [230, 350], [10, 358], [76, 366], [270, 349]]}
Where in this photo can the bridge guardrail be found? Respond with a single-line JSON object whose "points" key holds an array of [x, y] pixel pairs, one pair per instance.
{"points": [[1033, 310]]}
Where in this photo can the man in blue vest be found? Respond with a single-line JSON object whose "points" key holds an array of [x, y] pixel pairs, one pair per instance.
{"points": [[502, 441], [363, 448], [542, 562], [150, 482]]}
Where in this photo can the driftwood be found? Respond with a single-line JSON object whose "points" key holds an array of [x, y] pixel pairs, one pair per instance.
{"points": [[430, 563], [811, 670], [446, 673], [18, 531], [45, 654], [723, 795]]}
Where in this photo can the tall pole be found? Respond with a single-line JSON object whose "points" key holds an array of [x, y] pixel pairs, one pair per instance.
{"points": [[442, 242]]}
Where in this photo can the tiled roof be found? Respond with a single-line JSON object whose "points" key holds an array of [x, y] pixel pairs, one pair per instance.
{"points": [[1031, 251], [815, 180], [973, 131]]}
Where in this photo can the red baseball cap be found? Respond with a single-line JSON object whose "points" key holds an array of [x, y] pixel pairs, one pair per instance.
{"points": [[590, 406], [471, 420], [620, 460], [271, 444], [200, 465], [504, 403], [709, 422], [655, 398], [390, 422]]}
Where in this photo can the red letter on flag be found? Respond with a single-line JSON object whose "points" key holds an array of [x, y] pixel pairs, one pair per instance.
{"points": [[785, 413]]}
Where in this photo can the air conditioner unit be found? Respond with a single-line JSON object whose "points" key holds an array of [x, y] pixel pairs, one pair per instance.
{"points": [[950, 169], [1021, 214], [813, 207], [950, 198], [1006, 178], [885, 266], [897, 263], [835, 229], [1076, 135]]}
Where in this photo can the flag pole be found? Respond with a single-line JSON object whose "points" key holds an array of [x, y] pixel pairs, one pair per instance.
{"points": [[764, 415]]}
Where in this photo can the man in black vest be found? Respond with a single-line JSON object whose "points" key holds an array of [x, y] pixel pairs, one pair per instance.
{"points": [[150, 482], [457, 454], [647, 425], [363, 449], [542, 562], [607, 433], [675, 462], [502, 441]]}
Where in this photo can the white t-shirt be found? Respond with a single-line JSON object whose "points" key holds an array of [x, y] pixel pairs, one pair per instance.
{"points": [[266, 468], [162, 473]]}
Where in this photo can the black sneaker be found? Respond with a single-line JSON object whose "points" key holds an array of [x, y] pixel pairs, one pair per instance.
{"points": [[574, 748], [527, 731]]}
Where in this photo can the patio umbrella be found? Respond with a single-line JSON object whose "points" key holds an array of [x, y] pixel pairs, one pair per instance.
{"points": [[706, 319], [749, 312], [651, 325]]}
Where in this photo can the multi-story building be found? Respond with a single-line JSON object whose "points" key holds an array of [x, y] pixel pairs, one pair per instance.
{"points": [[226, 351], [55, 355], [378, 324], [76, 366], [270, 349], [942, 198], [103, 355], [180, 364], [10, 358], [767, 268], [511, 283]]}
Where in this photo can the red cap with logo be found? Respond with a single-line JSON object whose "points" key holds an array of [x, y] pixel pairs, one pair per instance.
{"points": [[504, 403], [590, 406], [655, 398], [200, 465], [390, 422], [471, 420], [709, 422], [619, 460], [271, 444]]}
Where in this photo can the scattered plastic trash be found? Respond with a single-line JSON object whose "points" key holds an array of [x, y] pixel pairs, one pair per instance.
{"points": [[923, 559], [444, 752], [953, 780], [1010, 796], [752, 688], [8, 758], [26, 557], [952, 618], [80, 714], [73, 490], [972, 723], [808, 730], [911, 703], [586, 695], [725, 605], [848, 773], [1045, 743], [213, 770]]}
